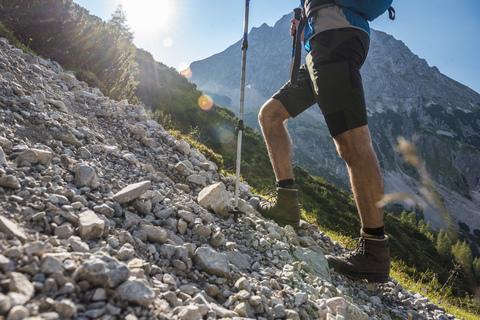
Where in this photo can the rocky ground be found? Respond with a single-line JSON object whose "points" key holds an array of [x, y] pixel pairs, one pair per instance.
{"points": [[105, 215]]}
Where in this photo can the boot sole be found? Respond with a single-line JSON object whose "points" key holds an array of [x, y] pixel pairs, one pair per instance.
{"points": [[370, 277], [282, 223]]}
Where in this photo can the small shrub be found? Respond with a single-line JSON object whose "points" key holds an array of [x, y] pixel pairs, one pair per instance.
{"points": [[89, 77], [7, 34]]}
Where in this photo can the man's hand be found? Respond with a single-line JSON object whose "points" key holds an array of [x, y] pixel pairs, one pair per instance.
{"points": [[293, 28]]}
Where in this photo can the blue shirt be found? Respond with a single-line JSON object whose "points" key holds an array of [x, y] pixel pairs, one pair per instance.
{"points": [[332, 17]]}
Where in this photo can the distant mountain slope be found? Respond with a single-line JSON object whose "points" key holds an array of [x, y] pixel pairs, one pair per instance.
{"points": [[405, 96]]}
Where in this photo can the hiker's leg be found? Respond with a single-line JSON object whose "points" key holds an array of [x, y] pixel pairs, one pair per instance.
{"points": [[285, 210], [371, 258], [288, 102], [336, 59], [355, 147], [271, 118]]}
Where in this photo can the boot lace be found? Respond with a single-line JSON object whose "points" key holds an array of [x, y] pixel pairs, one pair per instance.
{"points": [[270, 195], [359, 248]]}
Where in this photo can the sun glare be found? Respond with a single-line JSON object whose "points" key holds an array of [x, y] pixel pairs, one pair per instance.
{"points": [[147, 15]]}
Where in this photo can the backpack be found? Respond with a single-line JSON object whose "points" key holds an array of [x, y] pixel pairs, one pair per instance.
{"points": [[369, 9]]}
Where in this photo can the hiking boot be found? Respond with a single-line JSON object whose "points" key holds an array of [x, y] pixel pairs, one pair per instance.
{"points": [[370, 260], [285, 210]]}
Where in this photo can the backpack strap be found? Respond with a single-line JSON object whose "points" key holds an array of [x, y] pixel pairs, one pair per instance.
{"points": [[391, 13]]}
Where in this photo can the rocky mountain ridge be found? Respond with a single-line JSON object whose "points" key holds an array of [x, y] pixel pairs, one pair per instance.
{"points": [[405, 97], [105, 215]]}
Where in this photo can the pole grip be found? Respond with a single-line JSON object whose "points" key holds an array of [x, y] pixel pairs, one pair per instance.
{"points": [[296, 45], [297, 13]]}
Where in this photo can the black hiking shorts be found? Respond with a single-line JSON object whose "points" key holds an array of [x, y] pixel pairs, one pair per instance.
{"points": [[331, 78]]}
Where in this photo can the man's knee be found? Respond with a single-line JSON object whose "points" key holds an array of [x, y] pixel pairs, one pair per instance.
{"points": [[354, 144], [272, 112], [344, 151]]}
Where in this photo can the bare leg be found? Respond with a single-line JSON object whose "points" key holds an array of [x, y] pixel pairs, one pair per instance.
{"points": [[355, 147], [271, 118]]}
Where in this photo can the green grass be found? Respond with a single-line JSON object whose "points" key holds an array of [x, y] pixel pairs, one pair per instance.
{"points": [[7, 34], [461, 308]]}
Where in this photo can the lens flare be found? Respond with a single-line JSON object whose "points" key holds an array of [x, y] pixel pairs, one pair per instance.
{"points": [[146, 16], [187, 73], [205, 102], [224, 132], [182, 65]]}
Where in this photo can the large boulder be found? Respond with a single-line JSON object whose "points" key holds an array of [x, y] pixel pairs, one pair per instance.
{"points": [[216, 198]]}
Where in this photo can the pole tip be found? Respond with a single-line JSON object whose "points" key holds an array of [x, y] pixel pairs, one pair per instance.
{"points": [[236, 212]]}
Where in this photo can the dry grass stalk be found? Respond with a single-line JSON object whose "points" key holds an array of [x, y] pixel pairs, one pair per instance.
{"points": [[428, 191]]}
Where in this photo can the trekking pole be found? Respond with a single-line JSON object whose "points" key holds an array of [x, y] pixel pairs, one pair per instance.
{"points": [[239, 129]]}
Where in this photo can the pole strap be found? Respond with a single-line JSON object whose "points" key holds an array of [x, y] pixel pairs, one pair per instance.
{"points": [[245, 42], [239, 126]]}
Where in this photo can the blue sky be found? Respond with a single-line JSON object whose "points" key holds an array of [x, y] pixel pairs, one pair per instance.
{"points": [[446, 33]]}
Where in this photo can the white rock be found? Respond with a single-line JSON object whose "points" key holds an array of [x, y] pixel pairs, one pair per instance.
{"points": [[216, 198], [10, 181], [212, 262], [136, 291], [3, 160], [126, 252], [77, 244], [5, 304], [183, 146], [66, 308], [91, 226], [155, 234], [86, 94], [197, 179], [99, 295], [85, 176], [103, 271], [132, 191], [18, 313], [50, 264], [11, 228], [60, 105], [68, 78], [130, 158], [20, 283], [190, 312], [346, 309]]}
